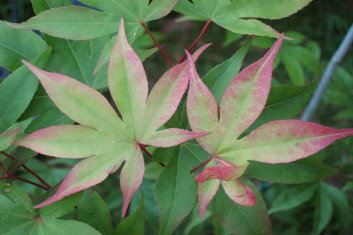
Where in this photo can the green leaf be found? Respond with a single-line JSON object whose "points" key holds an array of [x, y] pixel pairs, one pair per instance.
{"points": [[220, 76], [135, 10], [78, 59], [62, 227], [16, 45], [18, 217], [65, 22], [294, 70], [230, 14], [342, 209], [93, 211], [176, 189], [133, 224], [15, 218], [7, 138], [269, 9], [43, 5], [62, 207], [17, 91], [293, 197], [301, 171], [239, 219], [16, 195], [323, 211]]}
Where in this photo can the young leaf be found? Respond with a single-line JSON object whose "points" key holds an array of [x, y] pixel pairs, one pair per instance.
{"points": [[236, 16], [243, 101], [102, 138]]}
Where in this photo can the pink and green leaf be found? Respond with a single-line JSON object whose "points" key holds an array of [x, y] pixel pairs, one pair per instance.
{"points": [[246, 96], [202, 109], [131, 176], [206, 191], [7, 138], [221, 172], [283, 141], [69, 141], [171, 137], [78, 101], [239, 193], [85, 174], [127, 82], [167, 93]]}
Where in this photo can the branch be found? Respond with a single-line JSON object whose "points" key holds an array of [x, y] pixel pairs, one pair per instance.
{"points": [[202, 164], [27, 169], [3, 169], [329, 71], [24, 180], [143, 148], [169, 63], [209, 21]]}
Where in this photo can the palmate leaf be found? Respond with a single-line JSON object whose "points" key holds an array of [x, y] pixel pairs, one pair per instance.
{"points": [[240, 16], [102, 138], [19, 217], [280, 141]]}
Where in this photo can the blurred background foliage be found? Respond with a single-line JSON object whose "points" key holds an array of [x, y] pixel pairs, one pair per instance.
{"points": [[317, 208]]}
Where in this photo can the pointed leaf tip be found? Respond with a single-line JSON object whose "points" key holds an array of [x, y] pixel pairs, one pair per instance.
{"points": [[245, 98], [205, 192], [220, 172], [131, 176], [85, 174], [239, 193]]}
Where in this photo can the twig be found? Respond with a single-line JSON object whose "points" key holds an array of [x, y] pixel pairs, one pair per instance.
{"points": [[209, 21], [201, 165], [143, 148], [329, 71], [27, 169], [3, 169], [24, 180], [169, 63]]}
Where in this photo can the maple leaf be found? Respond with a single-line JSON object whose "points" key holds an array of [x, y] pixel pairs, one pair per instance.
{"points": [[102, 138], [279, 141]]}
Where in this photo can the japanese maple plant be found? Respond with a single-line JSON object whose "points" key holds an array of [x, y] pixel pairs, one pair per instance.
{"points": [[114, 136]]}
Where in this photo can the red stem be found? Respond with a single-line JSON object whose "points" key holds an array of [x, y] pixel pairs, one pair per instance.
{"points": [[24, 180], [201, 165], [169, 63], [37, 176], [3, 169], [28, 170], [209, 21], [149, 154]]}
